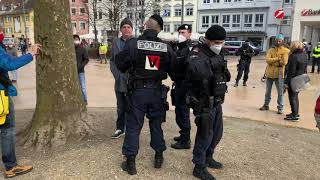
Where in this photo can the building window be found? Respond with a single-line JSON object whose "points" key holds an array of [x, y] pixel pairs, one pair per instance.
{"points": [[225, 20], [130, 15], [286, 20], [157, 0], [74, 25], [189, 11], [227, 1], [27, 18], [167, 13], [82, 11], [156, 11], [73, 1], [215, 19], [141, 15], [237, 0], [206, 1], [73, 11], [205, 21], [176, 26], [82, 25], [141, 2], [100, 15], [166, 28], [129, 3], [236, 20], [287, 1], [8, 19], [177, 12], [247, 20], [259, 20], [216, 1]]}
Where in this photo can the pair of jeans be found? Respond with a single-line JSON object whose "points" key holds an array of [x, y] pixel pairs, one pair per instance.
{"points": [[294, 101], [8, 139], [121, 110], [279, 86], [14, 74], [82, 80]]}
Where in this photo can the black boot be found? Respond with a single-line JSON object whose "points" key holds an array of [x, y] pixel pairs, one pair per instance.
{"points": [[177, 138], [181, 145], [202, 173], [129, 165], [213, 163], [236, 84], [244, 83], [158, 160]]}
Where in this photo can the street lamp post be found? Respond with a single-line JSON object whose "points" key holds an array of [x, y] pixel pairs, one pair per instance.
{"points": [[182, 12], [24, 20]]}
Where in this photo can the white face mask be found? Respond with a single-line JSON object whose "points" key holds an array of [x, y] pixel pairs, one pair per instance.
{"points": [[76, 42], [216, 48], [181, 38], [10, 46]]}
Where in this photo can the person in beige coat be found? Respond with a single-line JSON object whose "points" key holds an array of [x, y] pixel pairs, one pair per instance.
{"points": [[277, 58]]}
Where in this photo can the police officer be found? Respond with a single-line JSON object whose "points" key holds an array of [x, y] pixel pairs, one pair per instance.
{"points": [[316, 58], [178, 92], [208, 74], [148, 60], [246, 53]]}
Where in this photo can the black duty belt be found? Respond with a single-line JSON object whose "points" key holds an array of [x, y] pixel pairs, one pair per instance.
{"points": [[138, 84]]}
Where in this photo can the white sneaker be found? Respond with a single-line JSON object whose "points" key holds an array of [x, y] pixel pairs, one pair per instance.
{"points": [[117, 134]]}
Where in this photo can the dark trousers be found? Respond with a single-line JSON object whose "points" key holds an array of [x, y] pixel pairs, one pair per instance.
{"points": [[294, 101], [8, 139], [144, 102], [243, 67], [182, 112], [121, 110], [205, 145], [309, 55], [315, 61]]}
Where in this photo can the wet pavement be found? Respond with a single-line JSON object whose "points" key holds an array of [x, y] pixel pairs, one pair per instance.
{"points": [[241, 102]]}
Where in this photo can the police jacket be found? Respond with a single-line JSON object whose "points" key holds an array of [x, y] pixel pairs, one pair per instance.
{"points": [[246, 53], [316, 52], [180, 65], [147, 57], [207, 72]]}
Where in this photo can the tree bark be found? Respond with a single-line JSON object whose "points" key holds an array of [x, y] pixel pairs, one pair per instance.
{"points": [[60, 109]]}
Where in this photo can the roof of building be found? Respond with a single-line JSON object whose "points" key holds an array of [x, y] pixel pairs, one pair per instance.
{"points": [[10, 7]]}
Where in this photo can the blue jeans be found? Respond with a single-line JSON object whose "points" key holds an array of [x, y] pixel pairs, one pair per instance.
{"points": [[82, 80], [279, 85], [14, 75], [8, 139]]}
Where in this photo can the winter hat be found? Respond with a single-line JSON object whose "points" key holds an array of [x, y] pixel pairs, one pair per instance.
{"points": [[216, 32], [280, 37], [126, 21], [76, 36], [185, 27], [159, 20]]}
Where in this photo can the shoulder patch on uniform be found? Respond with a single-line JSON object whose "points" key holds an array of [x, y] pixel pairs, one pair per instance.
{"points": [[152, 46]]}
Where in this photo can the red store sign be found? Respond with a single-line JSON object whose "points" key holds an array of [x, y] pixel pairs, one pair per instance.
{"points": [[310, 12]]}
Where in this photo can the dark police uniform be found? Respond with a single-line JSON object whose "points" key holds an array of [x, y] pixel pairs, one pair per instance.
{"points": [[178, 95], [148, 60], [246, 53], [207, 74]]}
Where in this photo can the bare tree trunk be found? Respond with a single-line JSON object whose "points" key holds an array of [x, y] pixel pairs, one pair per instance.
{"points": [[95, 16], [60, 108]]}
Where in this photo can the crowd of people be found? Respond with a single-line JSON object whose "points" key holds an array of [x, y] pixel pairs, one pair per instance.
{"points": [[199, 75]]}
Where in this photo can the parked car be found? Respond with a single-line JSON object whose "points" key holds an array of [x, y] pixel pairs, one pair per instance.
{"points": [[8, 41], [234, 46], [317, 112]]}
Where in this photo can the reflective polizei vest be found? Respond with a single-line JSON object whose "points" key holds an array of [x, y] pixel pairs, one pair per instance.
{"points": [[316, 52]]}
